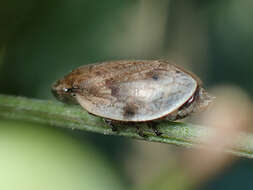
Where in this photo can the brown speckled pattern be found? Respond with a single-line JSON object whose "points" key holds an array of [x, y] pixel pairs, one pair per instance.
{"points": [[133, 91]]}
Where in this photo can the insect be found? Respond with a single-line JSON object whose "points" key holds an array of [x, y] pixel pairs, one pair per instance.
{"points": [[134, 91]]}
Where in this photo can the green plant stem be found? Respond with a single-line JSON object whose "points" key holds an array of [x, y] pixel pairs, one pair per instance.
{"points": [[74, 117]]}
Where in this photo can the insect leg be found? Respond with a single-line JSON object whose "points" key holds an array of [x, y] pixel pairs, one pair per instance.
{"points": [[111, 124], [153, 126], [140, 132]]}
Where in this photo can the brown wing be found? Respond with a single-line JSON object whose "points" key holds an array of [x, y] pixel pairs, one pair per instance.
{"points": [[134, 91]]}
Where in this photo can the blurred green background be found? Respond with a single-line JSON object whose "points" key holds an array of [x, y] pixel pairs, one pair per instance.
{"points": [[41, 40]]}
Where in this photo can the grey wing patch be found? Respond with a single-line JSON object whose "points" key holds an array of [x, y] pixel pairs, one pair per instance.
{"points": [[143, 100]]}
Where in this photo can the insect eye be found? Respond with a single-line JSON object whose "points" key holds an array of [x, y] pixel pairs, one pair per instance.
{"points": [[67, 89]]}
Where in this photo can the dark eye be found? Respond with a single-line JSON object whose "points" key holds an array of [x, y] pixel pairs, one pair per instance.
{"points": [[68, 90]]}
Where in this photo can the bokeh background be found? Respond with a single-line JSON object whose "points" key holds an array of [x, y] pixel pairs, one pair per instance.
{"points": [[41, 40]]}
